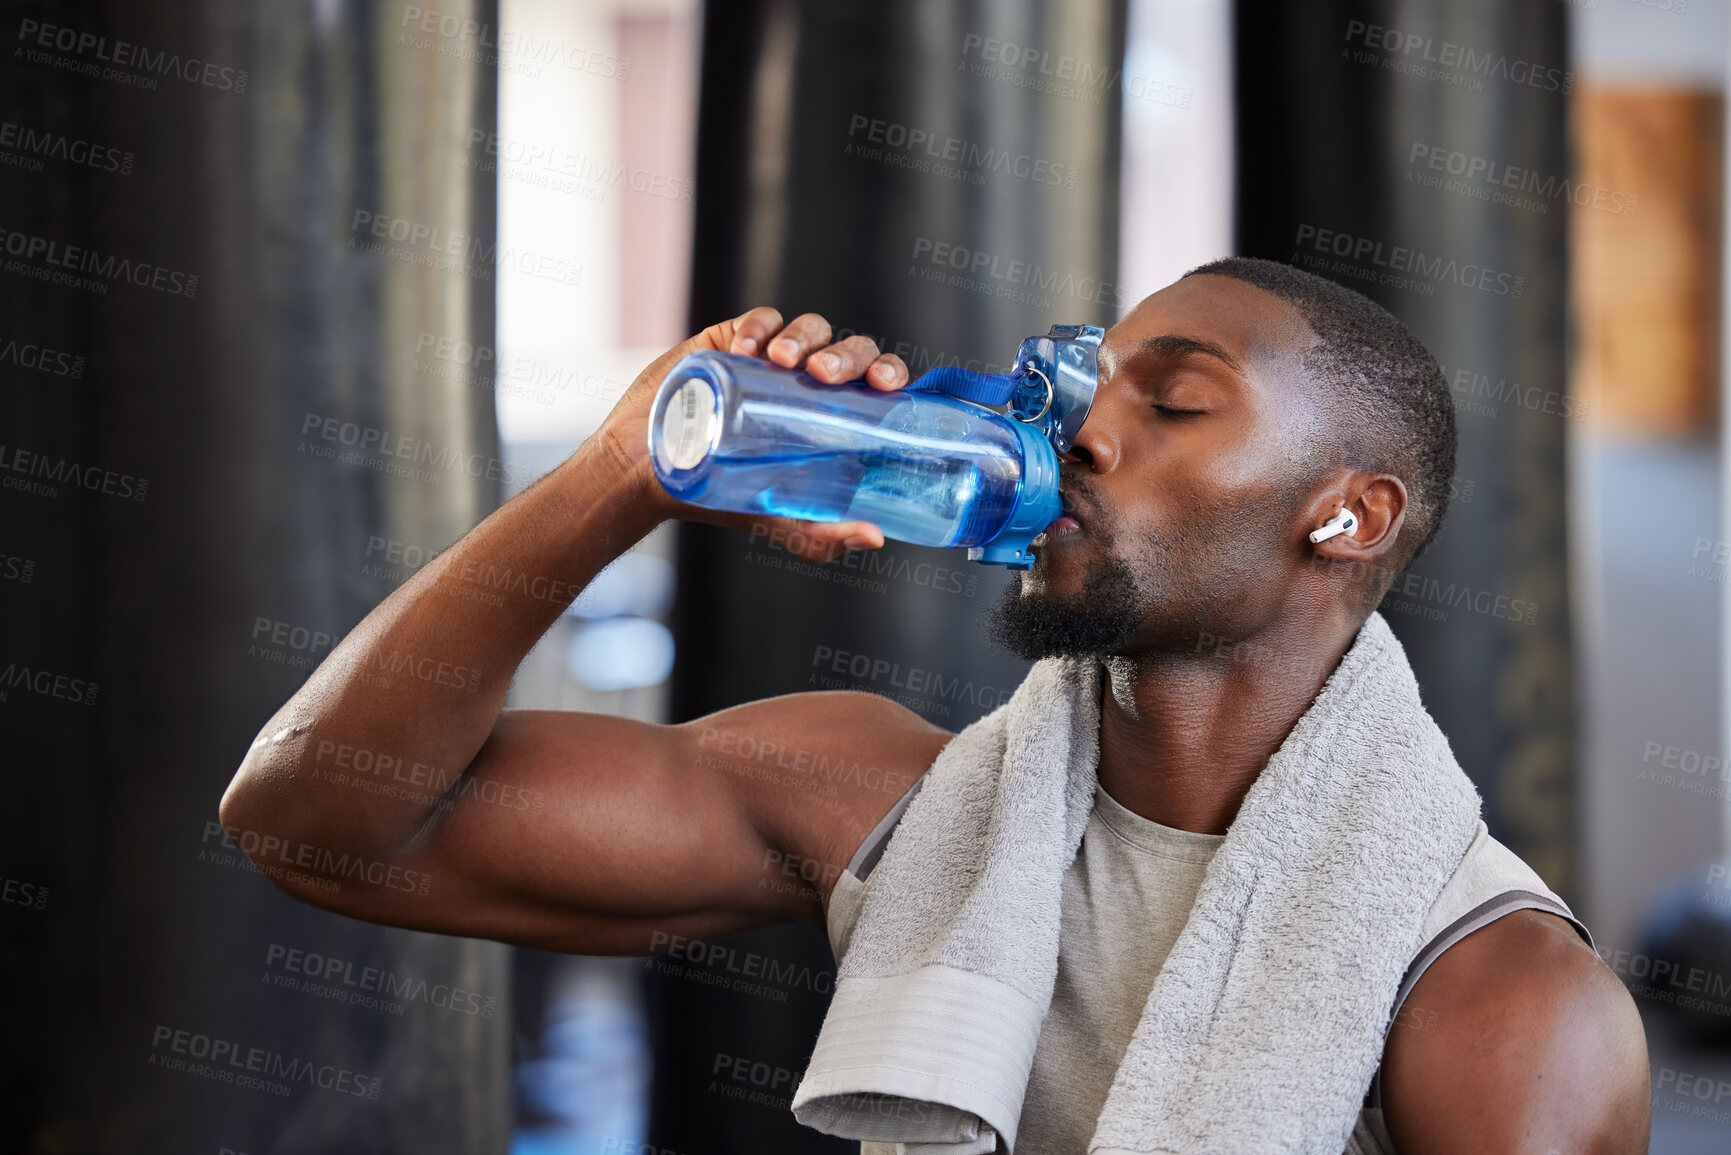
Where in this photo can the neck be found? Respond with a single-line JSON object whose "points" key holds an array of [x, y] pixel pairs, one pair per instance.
{"points": [[1184, 735]]}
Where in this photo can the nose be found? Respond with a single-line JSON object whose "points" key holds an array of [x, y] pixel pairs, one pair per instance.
{"points": [[1095, 448]]}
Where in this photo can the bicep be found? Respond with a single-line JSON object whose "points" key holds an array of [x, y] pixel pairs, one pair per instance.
{"points": [[579, 832], [602, 835]]}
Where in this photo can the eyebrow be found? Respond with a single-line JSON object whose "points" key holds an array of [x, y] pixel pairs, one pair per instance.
{"points": [[1171, 345]]}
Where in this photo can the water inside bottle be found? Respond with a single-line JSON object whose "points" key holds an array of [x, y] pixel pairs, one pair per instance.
{"points": [[938, 488]]}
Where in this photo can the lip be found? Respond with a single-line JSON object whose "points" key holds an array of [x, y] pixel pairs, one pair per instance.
{"points": [[1069, 508], [1060, 529], [1067, 525]]}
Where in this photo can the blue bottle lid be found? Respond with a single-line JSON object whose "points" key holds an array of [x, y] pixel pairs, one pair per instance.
{"points": [[1058, 374]]}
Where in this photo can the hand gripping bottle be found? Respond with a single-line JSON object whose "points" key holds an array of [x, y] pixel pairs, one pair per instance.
{"points": [[928, 464]]}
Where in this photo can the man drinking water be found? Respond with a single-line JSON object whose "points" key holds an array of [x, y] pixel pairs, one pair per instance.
{"points": [[1172, 896]]}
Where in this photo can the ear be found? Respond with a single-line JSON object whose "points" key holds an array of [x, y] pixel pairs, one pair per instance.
{"points": [[1377, 500]]}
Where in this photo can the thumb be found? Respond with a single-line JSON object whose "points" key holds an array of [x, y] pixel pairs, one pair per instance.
{"points": [[761, 320]]}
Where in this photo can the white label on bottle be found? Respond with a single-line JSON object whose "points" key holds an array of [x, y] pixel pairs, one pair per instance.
{"points": [[689, 423]]}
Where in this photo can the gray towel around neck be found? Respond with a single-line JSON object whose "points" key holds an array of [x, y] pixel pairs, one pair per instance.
{"points": [[1267, 1020]]}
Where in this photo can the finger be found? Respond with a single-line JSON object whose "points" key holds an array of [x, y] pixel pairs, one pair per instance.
{"points": [[813, 541], [844, 361], [887, 372], [753, 329], [822, 541], [804, 333]]}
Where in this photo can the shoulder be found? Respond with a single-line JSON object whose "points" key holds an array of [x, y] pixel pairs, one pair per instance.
{"points": [[815, 772], [1488, 870], [1517, 1038]]}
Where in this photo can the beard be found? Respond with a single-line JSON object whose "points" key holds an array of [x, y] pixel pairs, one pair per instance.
{"points": [[1036, 625]]}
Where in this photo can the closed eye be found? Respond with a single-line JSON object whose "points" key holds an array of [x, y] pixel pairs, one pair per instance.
{"points": [[1169, 411]]}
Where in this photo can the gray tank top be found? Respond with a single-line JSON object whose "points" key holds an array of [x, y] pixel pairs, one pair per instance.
{"points": [[1125, 898]]}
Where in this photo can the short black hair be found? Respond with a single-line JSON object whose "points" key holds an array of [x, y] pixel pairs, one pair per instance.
{"points": [[1397, 415]]}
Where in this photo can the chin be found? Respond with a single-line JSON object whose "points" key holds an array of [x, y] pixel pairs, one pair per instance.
{"points": [[1057, 566], [1041, 617]]}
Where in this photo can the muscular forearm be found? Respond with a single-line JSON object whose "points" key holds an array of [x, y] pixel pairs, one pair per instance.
{"points": [[411, 694]]}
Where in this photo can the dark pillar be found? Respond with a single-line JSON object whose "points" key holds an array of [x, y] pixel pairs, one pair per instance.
{"points": [[1341, 108], [192, 543], [897, 168]]}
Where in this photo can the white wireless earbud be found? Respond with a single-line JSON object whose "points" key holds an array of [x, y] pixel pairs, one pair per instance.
{"points": [[1342, 522]]}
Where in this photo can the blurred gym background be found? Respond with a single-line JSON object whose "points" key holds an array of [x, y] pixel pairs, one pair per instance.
{"points": [[471, 222]]}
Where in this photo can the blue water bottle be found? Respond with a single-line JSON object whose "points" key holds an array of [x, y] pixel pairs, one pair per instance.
{"points": [[928, 464]]}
